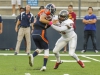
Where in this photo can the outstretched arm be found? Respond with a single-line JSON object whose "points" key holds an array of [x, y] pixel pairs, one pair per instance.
{"points": [[57, 28]]}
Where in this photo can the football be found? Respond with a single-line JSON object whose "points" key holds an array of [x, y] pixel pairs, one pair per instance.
{"points": [[49, 18]]}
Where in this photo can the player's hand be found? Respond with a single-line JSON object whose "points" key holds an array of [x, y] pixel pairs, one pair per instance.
{"points": [[0, 31], [55, 22], [16, 29]]}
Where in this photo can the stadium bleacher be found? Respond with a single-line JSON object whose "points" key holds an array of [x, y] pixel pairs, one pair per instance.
{"points": [[6, 7]]}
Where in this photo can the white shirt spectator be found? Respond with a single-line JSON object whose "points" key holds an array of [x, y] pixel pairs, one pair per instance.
{"points": [[14, 2]]}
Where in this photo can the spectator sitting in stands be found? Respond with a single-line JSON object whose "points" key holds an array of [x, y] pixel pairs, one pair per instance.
{"points": [[14, 4]]}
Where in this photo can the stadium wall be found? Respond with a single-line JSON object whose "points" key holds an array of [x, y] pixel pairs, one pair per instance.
{"points": [[8, 38]]}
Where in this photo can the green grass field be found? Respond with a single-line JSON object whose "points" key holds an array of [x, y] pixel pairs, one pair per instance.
{"points": [[18, 65]]}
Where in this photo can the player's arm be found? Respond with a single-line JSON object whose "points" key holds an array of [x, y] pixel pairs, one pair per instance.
{"points": [[57, 28], [43, 19]]}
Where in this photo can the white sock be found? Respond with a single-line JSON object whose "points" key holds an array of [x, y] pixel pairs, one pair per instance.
{"points": [[57, 57]]}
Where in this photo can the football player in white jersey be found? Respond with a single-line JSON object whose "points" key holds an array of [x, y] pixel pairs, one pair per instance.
{"points": [[65, 27]]}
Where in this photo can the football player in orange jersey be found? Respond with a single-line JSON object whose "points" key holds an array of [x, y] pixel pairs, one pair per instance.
{"points": [[43, 21]]}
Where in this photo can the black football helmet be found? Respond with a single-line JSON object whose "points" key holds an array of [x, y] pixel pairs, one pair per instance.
{"points": [[63, 15], [51, 8]]}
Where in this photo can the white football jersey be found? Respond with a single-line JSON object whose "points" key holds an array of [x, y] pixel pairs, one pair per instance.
{"points": [[68, 33], [55, 17]]}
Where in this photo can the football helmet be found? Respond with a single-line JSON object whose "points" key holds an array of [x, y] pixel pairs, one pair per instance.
{"points": [[63, 15], [51, 8]]}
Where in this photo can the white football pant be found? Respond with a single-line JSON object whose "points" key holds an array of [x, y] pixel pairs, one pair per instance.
{"points": [[62, 42]]}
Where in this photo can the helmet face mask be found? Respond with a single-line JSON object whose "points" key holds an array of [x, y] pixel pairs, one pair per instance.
{"points": [[47, 11], [62, 18], [51, 8], [63, 15]]}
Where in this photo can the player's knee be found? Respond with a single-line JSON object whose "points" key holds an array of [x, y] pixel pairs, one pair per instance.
{"points": [[46, 52], [54, 51], [71, 54], [39, 50]]}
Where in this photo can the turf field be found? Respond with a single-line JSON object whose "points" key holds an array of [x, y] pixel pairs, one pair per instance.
{"points": [[18, 65]]}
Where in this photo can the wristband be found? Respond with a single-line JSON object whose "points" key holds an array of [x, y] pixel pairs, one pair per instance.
{"points": [[50, 23]]}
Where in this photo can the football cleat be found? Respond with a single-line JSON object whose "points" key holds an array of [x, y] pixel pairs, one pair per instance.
{"points": [[43, 68], [31, 60], [57, 64], [81, 63]]}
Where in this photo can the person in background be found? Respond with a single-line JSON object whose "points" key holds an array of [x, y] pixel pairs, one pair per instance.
{"points": [[72, 16], [13, 2], [17, 18], [90, 29], [40, 8], [21, 9], [25, 19]]}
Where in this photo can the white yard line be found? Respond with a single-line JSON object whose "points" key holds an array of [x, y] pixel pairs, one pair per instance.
{"points": [[90, 58], [83, 55], [27, 74], [51, 54], [71, 60], [66, 74]]}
